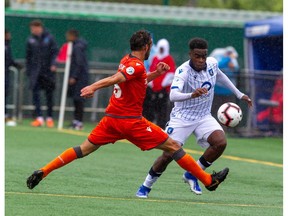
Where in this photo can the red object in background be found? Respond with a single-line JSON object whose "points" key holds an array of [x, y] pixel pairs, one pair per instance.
{"points": [[274, 114], [157, 83], [62, 55]]}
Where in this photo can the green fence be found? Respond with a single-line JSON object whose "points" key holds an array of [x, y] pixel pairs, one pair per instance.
{"points": [[109, 38]]}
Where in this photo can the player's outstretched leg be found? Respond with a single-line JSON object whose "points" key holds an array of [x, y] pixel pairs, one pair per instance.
{"points": [[211, 182], [185, 161], [63, 159]]}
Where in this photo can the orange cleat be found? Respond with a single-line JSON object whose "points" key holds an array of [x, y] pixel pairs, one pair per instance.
{"points": [[49, 123], [37, 123]]}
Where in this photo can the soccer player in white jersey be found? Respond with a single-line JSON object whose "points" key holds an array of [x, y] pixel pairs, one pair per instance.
{"points": [[192, 91]]}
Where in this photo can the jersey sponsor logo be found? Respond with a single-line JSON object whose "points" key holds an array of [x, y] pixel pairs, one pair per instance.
{"points": [[130, 70], [211, 72], [170, 130], [137, 64], [180, 71], [206, 85], [195, 76]]}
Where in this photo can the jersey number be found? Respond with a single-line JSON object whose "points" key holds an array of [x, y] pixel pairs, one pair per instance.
{"points": [[117, 91]]}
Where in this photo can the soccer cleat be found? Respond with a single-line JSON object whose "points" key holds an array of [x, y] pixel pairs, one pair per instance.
{"points": [[192, 182], [37, 123], [143, 192], [49, 123], [34, 179], [217, 178], [76, 125]]}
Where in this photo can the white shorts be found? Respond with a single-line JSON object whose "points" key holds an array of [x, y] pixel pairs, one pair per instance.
{"points": [[179, 129]]}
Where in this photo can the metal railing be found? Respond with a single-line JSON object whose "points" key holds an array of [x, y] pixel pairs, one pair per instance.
{"points": [[247, 81], [20, 100]]}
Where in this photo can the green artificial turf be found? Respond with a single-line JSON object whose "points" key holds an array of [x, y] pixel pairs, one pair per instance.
{"points": [[105, 182]]}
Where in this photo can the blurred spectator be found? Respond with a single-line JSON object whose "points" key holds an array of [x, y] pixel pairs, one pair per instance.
{"points": [[41, 52], [148, 62], [9, 61], [157, 105], [227, 62], [78, 76], [274, 112]]}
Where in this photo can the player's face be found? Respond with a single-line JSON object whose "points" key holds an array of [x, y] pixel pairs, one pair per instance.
{"points": [[148, 47], [198, 57], [7, 36], [36, 30], [70, 37]]}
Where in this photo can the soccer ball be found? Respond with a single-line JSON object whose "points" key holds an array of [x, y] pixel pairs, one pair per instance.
{"points": [[229, 114]]}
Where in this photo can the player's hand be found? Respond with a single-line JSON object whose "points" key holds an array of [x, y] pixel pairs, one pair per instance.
{"points": [[87, 92], [162, 67], [198, 92], [247, 99]]}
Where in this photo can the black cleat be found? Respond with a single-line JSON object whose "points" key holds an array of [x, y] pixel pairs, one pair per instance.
{"points": [[34, 179], [217, 178]]}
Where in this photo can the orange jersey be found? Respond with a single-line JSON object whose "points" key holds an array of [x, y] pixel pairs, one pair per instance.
{"points": [[128, 97]]}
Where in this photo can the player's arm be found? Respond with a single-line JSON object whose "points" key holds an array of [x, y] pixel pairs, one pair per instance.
{"points": [[176, 94], [225, 81], [88, 91], [161, 68]]}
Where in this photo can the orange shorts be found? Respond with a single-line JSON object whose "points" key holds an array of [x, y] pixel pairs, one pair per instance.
{"points": [[141, 132]]}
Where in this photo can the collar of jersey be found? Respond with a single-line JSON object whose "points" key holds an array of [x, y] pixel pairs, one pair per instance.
{"points": [[132, 56]]}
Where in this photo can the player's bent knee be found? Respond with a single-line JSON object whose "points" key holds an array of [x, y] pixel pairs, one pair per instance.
{"points": [[217, 139], [221, 145], [169, 146]]}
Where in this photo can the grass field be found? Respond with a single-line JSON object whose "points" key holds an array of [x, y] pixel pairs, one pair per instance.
{"points": [[105, 182]]}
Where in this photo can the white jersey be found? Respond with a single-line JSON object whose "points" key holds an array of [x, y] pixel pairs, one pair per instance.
{"points": [[187, 80]]}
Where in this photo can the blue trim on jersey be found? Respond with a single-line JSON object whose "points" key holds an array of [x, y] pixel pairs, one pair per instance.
{"points": [[174, 87]]}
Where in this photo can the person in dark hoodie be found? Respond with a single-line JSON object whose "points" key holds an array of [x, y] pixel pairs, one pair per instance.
{"points": [[78, 76], [9, 61], [41, 52]]}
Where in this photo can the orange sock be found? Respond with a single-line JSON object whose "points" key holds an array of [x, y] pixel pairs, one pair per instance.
{"points": [[189, 164], [66, 157]]}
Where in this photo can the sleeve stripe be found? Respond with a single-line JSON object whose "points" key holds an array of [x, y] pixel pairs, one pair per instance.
{"points": [[123, 74], [174, 87]]}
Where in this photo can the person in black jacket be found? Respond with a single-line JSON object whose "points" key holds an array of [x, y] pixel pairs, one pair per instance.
{"points": [[78, 76], [9, 61], [41, 52]]}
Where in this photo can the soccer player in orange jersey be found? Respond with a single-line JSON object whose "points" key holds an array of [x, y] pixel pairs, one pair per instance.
{"points": [[123, 119]]}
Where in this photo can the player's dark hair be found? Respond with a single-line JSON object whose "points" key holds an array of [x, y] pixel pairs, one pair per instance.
{"points": [[36, 23], [198, 43], [73, 32], [139, 39]]}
